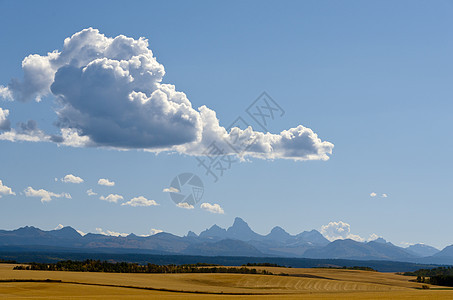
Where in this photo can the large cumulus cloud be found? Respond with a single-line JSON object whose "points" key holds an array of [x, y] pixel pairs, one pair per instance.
{"points": [[110, 94]]}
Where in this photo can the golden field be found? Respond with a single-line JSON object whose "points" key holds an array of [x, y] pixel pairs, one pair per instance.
{"points": [[302, 283]]}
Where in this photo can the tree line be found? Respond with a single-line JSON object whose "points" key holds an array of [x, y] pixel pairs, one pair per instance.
{"points": [[90, 265], [431, 272], [437, 276], [263, 265]]}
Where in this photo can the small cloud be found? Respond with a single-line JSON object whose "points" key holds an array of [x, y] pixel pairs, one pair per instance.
{"points": [[110, 233], [6, 93], [140, 201], [45, 196], [58, 227], [170, 190], [339, 230], [406, 244], [106, 182], [373, 194], [28, 132], [373, 237], [91, 193], [5, 124], [384, 195], [185, 205], [71, 179], [81, 232], [212, 208], [56, 179], [4, 190], [114, 198], [153, 231]]}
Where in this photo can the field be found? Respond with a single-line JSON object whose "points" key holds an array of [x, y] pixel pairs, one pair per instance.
{"points": [[302, 283]]}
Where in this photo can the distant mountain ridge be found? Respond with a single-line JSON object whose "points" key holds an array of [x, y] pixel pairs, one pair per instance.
{"points": [[237, 240], [240, 230], [423, 250]]}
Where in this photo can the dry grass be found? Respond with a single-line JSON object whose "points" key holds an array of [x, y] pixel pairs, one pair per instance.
{"points": [[309, 283]]}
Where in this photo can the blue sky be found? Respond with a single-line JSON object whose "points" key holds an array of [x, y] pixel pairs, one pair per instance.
{"points": [[374, 79]]}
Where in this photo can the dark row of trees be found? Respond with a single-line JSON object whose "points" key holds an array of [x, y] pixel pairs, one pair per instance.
{"points": [[262, 265], [5, 261], [443, 280], [437, 276], [124, 267], [431, 272]]}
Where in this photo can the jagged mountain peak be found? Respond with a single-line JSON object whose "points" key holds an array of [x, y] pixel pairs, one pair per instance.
{"points": [[239, 222], [379, 240], [313, 237], [216, 227], [422, 250], [27, 230], [278, 229], [278, 234], [65, 232], [214, 232], [240, 230], [191, 234]]}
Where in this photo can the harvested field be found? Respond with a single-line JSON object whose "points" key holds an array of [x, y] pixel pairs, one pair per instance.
{"points": [[309, 283]]}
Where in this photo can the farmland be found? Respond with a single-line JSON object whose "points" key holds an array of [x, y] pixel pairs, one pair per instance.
{"points": [[311, 283]]}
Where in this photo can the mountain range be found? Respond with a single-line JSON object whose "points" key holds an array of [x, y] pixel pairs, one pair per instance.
{"points": [[237, 240]]}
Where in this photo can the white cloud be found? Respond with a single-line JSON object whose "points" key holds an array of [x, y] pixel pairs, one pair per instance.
{"points": [[71, 179], [71, 137], [5, 124], [15, 136], [384, 195], [110, 94], [373, 237], [106, 182], [112, 198], [170, 190], [91, 193], [27, 132], [5, 93], [407, 244], [212, 208], [38, 72], [60, 226], [152, 231], [140, 201], [5, 190], [110, 233], [155, 231], [373, 194], [185, 205], [45, 196], [298, 143], [339, 230], [80, 232]]}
